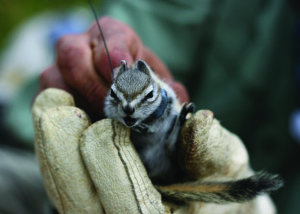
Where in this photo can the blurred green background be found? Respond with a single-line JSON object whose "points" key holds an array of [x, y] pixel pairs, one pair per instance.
{"points": [[14, 12]]}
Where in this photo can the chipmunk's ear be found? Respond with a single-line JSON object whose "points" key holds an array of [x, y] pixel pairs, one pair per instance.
{"points": [[142, 66], [123, 67]]}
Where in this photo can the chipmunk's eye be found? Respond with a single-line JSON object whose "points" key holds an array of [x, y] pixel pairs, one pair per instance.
{"points": [[113, 95], [149, 95]]}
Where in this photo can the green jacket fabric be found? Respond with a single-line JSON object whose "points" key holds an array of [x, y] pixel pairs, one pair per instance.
{"points": [[235, 58]]}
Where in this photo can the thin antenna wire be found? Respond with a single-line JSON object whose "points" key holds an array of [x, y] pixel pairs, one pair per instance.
{"points": [[96, 17]]}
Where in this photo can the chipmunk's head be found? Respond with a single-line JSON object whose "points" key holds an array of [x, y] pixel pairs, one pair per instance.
{"points": [[134, 95]]}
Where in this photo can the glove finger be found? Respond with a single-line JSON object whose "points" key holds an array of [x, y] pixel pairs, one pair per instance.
{"points": [[208, 149], [116, 170], [50, 98], [57, 134]]}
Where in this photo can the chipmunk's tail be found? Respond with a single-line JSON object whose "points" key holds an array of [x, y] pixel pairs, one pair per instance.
{"points": [[223, 192]]}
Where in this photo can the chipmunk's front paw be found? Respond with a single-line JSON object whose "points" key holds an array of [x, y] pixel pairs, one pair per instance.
{"points": [[186, 108]]}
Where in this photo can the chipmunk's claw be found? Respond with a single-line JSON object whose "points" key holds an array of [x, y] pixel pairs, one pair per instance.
{"points": [[186, 108]]}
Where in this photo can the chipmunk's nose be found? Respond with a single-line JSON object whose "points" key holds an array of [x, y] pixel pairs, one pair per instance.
{"points": [[128, 110]]}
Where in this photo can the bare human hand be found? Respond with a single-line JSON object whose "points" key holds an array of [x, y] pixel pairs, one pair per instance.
{"points": [[82, 67]]}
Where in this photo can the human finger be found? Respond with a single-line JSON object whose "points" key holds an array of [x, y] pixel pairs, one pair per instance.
{"points": [[75, 62]]}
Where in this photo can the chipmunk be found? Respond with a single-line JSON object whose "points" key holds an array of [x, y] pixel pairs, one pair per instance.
{"points": [[147, 105]]}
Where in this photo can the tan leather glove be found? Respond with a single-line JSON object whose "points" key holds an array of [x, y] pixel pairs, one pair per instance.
{"points": [[94, 168]]}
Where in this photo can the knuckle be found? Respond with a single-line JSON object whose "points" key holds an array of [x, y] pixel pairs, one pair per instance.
{"points": [[70, 51], [105, 19], [62, 41]]}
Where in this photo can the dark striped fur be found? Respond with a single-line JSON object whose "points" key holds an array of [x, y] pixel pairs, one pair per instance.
{"points": [[238, 191]]}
